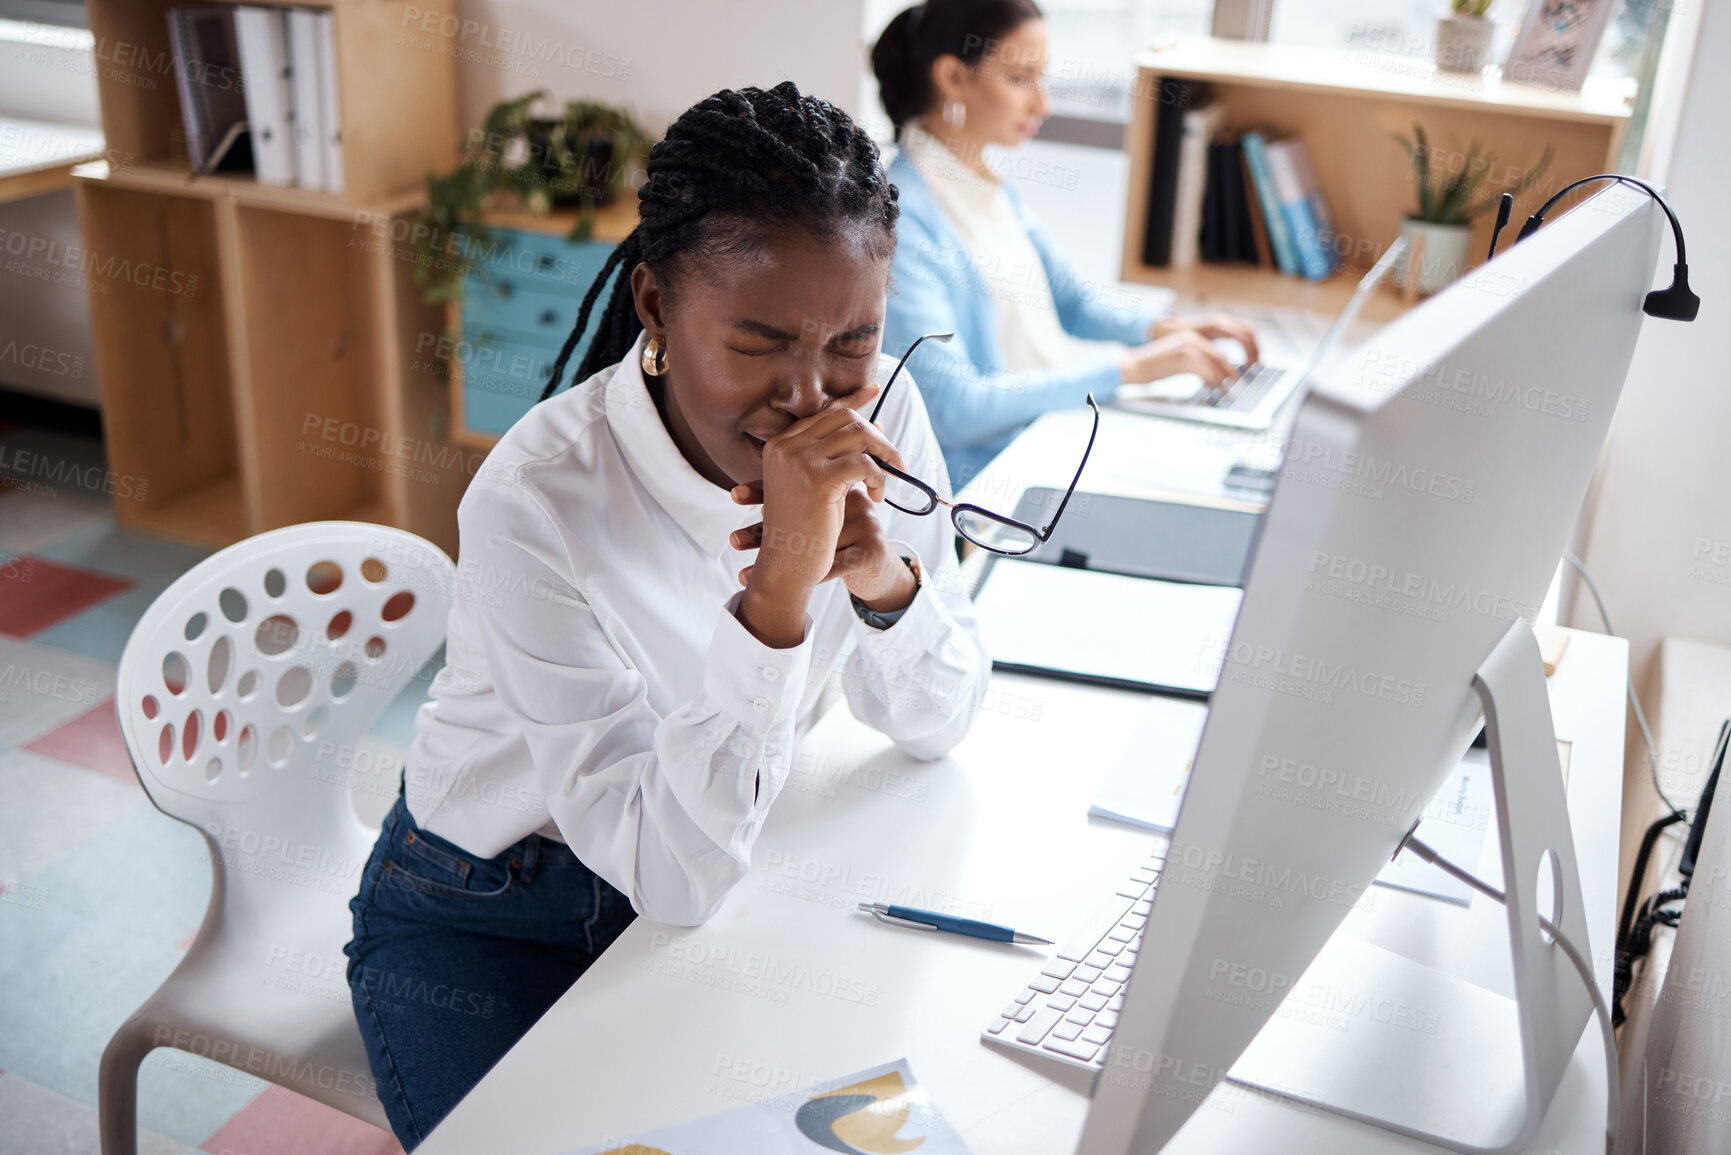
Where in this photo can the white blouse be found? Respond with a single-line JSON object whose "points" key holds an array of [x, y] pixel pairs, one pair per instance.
{"points": [[598, 687], [1030, 335]]}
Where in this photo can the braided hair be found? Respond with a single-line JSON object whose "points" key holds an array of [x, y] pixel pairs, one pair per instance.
{"points": [[732, 165]]}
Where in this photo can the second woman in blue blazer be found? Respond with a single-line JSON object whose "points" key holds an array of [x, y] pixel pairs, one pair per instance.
{"points": [[957, 77]]}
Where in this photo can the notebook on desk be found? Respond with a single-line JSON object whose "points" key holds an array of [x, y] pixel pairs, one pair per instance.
{"points": [[1163, 636], [1166, 575]]}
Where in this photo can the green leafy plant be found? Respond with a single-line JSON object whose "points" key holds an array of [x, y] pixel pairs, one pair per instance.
{"points": [[1470, 7], [518, 160], [1446, 197]]}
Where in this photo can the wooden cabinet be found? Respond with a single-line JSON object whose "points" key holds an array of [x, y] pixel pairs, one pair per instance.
{"points": [[254, 344], [520, 299]]}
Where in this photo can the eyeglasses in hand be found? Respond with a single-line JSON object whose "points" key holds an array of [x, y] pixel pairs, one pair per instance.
{"points": [[986, 529]]}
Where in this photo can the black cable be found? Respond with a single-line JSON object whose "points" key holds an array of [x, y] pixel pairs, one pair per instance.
{"points": [[1675, 302], [1640, 945], [1639, 874]]}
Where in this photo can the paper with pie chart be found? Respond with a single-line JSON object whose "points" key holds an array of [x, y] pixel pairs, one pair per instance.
{"points": [[883, 1111]]}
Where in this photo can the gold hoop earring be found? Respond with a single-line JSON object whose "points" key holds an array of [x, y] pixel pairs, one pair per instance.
{"points": [[655, 357]]}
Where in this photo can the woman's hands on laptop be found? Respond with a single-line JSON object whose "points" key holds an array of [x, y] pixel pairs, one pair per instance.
{"points": [[1187, 344]]}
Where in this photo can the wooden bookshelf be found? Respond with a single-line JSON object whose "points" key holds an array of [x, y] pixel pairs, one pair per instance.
{"points": [[249, 338], [1346, 104]]}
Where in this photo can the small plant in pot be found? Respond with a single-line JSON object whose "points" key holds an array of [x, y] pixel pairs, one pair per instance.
{"points": [[1447, 207], [519, 161], [1463, 37]]}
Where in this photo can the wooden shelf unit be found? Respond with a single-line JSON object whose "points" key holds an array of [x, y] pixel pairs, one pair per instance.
{"points": [[1346, 105], [249, 338]]}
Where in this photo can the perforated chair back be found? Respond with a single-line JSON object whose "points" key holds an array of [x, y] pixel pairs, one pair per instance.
{"points": [[243, 695], [246, 687]]}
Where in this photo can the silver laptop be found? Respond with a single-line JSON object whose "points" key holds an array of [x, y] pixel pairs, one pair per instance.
{"points": [[1252, 401]]}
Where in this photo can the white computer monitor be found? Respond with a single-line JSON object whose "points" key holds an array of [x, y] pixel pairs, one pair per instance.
{"points": [[1429, 488]]}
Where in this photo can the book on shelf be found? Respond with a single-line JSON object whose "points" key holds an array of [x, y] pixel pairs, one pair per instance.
{"points": [[1201, 125], [208, 77], [307, 117], [1175, 97], [263, 38], [1253, 210], [1302, 207], [1229, 234], [263, 79], [330, 109], [1279, 237]]}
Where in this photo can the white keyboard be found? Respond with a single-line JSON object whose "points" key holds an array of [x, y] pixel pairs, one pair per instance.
{"points": [[1068, 1010]]}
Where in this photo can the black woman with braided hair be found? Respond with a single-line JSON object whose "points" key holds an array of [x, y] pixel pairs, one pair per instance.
{"points": [[666, 572]]}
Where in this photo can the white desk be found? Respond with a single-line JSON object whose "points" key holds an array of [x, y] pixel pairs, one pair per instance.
{"points": [[38, 157], [788, 986]]}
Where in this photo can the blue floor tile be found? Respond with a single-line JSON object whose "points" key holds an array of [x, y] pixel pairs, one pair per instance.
{"points": [[145, 875], [70, 983]]}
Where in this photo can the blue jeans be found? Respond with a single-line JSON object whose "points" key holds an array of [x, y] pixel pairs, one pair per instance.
{"points": [[455, 957]]}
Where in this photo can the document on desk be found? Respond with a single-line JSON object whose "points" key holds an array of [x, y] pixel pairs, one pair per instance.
{"points": [[1102, 627], [883, 1109], [1146, 788], [1147, 785]]}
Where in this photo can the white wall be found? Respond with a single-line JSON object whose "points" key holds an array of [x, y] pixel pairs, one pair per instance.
{"points": [[46, 74], [1659, 542], [658, 57]]}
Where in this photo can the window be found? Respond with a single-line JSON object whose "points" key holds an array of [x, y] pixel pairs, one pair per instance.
{"points": [[67, 13], [1094, 44], [1408, 28]]}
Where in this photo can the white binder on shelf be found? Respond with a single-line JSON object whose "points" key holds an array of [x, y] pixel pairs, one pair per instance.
{"points": [[264, 64], [330, 110], [309, 135]]}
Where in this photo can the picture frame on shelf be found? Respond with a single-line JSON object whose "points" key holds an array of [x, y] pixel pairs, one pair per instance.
{"points": [[1557, 42]]}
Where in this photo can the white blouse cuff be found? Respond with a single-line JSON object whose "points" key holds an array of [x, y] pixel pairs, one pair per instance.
{"points": [[758, 684], [920, 626]]}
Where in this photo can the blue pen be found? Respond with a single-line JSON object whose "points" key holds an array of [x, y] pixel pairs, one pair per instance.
{"points": [[932, 920]]}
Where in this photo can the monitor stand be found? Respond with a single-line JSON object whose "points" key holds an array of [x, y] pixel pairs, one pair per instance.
{"points": [[1377, 1037]]}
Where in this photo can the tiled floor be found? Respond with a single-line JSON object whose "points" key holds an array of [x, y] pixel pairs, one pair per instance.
{"points": [[100, 893]]}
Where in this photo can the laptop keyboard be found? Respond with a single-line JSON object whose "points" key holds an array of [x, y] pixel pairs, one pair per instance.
{"points": [[1068, 1010], [1245, 393]]}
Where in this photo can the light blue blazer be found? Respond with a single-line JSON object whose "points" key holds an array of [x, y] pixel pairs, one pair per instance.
{"points": [[976, 406]]}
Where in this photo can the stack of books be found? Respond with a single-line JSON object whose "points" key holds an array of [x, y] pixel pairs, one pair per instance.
{"points": [[1231, 197], [258, 92]]}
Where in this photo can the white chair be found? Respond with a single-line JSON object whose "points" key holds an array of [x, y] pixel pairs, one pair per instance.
{"points": [[242, 695]]}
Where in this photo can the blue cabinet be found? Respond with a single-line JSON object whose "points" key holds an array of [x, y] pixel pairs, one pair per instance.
{"points": [[520, 300]]}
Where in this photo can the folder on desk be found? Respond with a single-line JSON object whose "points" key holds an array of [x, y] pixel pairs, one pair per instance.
{"points": [[1087, 625], [1130, 593]]}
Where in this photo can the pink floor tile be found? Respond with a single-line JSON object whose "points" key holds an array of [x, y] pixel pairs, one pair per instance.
{"points": [[280, 1122], [91, 740], [36, 593]]}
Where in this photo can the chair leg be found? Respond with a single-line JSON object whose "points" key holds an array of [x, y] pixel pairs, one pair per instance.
{"points": [[117, 1087]]}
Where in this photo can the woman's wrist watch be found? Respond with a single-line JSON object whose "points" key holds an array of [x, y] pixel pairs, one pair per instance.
{"points": [[885, 619]]}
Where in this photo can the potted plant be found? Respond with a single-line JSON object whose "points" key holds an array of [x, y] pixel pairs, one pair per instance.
{"points": [[1447, 208], [1463, 37], [518, 160]]}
